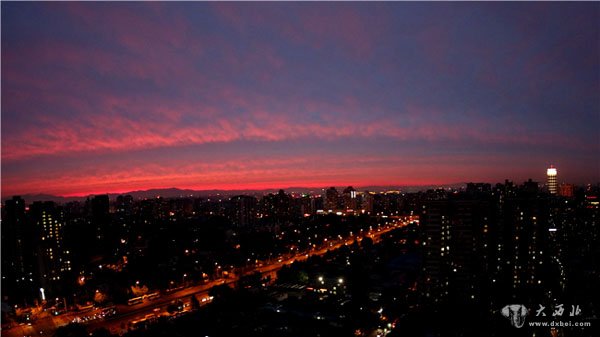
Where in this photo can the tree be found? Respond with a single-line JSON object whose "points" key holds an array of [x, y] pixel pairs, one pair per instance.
{"points": [[195, 304], [253, 280], [138, 290], [221, 292], [100, 297], [367, 243], [101, 332], [71, 330]]}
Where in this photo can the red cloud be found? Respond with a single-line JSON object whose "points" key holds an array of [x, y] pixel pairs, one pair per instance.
{"points": [[250, 173], [151, 124]]}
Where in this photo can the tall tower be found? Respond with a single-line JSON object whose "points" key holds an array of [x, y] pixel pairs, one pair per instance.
{"points": [[552, 185]]}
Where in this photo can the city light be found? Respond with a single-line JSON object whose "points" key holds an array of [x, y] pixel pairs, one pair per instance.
{"points": [[341, 160]]}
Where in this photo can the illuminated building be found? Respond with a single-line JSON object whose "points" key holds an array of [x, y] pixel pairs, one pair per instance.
{"points": [[366, 202], [349, 196], [124, 206], [453, 232], [552, 185], [53, 259], [566, 190], [489, 246], [526, 261], [310, 204], [244, 210], [278, 207]]}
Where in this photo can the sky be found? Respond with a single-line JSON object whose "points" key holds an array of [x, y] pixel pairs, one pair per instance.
{"points": [[114, 97]]}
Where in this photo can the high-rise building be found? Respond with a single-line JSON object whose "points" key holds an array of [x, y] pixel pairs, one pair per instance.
{"points": [[53, 258], [491, 247], [566, 190], [453, 232], [124, 206], [310, 204], [366, 202], [99, 207], [105, 230], [18, 257], [349, 196], [332, 199], [244, 210], [552, 184], [278, 207]]}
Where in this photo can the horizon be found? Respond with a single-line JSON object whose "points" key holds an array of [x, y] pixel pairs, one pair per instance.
{"points": [[234, 96], [291, 189]]}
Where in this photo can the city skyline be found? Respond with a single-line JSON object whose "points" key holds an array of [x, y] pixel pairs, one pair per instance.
{"points": [[360, 264], [273, 95], [318, 190]]}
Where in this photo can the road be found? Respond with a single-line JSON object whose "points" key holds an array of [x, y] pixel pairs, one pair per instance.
{"points": [[151, 308]]}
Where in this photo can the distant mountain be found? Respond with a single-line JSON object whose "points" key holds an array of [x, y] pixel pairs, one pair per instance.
{"points": [[29, 198], [177, 192], [158, 192]]}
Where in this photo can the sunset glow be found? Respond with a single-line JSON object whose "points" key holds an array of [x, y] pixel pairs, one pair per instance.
{"points": [[106, 97]]}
